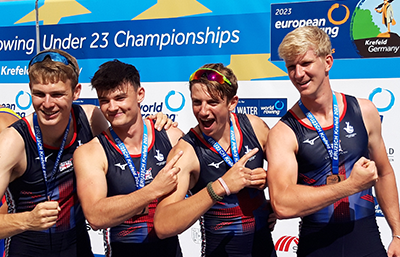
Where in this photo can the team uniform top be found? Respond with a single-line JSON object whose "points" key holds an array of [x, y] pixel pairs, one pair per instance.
{"points": [[242, 214], [314, 165], [24, 193], [138, 229]]}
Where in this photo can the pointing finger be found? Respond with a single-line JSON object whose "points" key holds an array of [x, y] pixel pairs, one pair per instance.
{"points": [[247, 156], [173, 161]]}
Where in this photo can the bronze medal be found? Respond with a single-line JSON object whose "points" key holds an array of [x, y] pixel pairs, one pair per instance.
{"points": [[334, 178]]}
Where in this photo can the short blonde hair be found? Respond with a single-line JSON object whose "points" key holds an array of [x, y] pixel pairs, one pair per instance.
{"points": [[300, 40]]}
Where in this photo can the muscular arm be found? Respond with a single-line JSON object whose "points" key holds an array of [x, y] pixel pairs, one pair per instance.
{"points": [[261, 129], [385, 188], [102, 211], [292, 200], [12, 165], [174, 214]]}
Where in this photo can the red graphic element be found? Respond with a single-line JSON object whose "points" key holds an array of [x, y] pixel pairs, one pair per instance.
{"points": [[369, 198], [306, 179], [128, 231], [342, 207], [284, 242], [67, 199], [221, 225]]}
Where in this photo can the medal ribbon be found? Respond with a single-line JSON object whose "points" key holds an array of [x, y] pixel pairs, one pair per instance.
{"points": [[42, 157], [221, 150], [334, 149], [139, 176]]}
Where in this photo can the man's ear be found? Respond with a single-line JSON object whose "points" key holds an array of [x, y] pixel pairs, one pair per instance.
{"points": [[77, 91], [328, 62], [233, 102], [140, 94]]}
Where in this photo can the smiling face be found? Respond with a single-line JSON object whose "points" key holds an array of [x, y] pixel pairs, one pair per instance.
{"points": [[212, 114], [121, 106], [309, 73], [53, 101]]}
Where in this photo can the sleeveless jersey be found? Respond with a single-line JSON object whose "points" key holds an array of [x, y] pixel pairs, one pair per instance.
{"points": [[138, 229], [24, 193], [314, 163], [239, 214]]}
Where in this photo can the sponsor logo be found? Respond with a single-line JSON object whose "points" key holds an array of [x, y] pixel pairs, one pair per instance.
{"points": [[168, 98], [286, 244], [196, 235], [390, 154], [45, 158], [262, 107], [310, 141], [65, 165], [159, 156], [349, 129], [387, 103], [247, 151], [148, 175], [121, 166], [215, 165], [23, 101], [18, 100], [174, 102]]}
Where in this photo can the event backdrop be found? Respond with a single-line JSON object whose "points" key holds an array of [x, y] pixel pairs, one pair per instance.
{"points": [[169, 39]]}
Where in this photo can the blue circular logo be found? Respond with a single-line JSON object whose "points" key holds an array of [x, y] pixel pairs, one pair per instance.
{"points": [[279, 102], [379, 90], [171, 93], [20, 93]]}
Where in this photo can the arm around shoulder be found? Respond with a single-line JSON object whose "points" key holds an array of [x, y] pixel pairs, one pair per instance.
{"points": [[97, 121]]}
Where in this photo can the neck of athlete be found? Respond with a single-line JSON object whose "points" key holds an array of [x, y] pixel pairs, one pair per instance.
{"points": [[133, 135], [223, 137], [320, 103], [53, 135]]}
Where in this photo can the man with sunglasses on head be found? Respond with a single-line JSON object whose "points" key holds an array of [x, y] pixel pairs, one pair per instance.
{"points": [[222, 168], [127, 171], [36, 169]]}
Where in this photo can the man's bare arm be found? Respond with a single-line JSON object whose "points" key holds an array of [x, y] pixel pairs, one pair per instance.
{"points": [[90, 164], [292, 200]]}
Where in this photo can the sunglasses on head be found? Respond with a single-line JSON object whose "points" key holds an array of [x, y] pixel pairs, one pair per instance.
{"points": [[210, 74], [54, 56]]}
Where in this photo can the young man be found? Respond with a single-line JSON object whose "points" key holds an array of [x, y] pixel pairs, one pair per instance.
{"points": [[127, 171], [317, 159], [7, 117], [229, 193], [45, 217]]}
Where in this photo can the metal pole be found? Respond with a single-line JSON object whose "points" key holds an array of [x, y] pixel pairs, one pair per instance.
{"points": [[37, 27]]}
